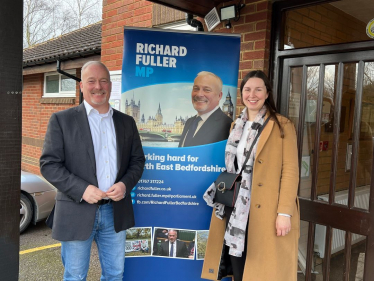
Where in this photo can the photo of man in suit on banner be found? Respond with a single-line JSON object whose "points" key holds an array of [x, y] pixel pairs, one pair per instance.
{"points": [[210, 124], [173, 248], [174, 243], [165, 123]]}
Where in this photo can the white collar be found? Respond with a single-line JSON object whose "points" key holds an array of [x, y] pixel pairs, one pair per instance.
{"points": [[90, 109], [207, 115]]}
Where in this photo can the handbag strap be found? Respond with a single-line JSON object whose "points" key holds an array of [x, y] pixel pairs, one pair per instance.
{"points": [[259, 130]]}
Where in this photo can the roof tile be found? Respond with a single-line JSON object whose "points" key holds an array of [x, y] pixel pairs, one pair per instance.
{"points": [[76, 43]]}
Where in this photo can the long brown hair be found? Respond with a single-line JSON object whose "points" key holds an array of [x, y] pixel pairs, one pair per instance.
{"points": [[269, 102]]}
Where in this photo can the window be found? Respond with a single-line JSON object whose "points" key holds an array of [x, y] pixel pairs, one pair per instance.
{"points": [[58, 85]]}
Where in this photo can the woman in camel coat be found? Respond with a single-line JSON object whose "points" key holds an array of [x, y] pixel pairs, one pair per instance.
{"points": [[271, 232]]}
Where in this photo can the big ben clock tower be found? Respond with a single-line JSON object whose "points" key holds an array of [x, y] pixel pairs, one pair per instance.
{"points": [[228, 107]]}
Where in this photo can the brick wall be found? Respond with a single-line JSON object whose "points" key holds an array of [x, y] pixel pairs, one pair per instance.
{"points": [[35, 116], [254, 26], [116, 15]]}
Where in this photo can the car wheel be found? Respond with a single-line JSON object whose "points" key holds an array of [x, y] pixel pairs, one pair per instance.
{"points": [[25, 213]]}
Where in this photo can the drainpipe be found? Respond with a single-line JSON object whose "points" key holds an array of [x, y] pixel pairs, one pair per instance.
{"points": [[72, 77], [193, 22]]}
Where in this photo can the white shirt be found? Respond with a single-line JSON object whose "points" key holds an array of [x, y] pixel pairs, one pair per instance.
{"points": [[204, 117], [105, 145], [174, 249]]}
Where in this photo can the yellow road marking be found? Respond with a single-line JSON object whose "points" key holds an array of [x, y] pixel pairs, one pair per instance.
{"points": [[39, 248]]}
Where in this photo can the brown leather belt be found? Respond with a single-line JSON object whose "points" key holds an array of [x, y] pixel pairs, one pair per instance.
{"points": [[103, 201]]}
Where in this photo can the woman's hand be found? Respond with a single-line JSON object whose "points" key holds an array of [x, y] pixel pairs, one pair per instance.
{"points": [[283, 225]]}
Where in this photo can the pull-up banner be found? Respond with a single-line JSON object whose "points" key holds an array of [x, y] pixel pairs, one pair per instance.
{"points": [[158, 73]]}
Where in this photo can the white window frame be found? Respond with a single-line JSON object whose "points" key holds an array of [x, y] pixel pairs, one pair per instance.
{"points": [[60, 94]]}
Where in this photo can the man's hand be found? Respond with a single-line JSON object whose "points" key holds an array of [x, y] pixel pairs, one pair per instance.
{"points": [[283, 225], [117, 191], [92, 194]]}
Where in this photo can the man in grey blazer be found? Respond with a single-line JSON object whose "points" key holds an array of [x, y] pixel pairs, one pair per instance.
{"points": [[93, 155], [173, 247], [210, 124]]}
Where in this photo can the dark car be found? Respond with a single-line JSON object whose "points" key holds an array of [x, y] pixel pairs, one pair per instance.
{"points": [[37, 199]]}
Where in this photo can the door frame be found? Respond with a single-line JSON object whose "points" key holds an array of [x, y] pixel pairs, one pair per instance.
{"points": [[360, 222]]}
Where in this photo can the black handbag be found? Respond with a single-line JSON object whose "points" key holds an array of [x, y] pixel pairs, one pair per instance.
{"points": [[228, 184]]}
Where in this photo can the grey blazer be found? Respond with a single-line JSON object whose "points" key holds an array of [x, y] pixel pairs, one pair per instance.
{"points": [[216, 128], [68, 162], [181, 249]]}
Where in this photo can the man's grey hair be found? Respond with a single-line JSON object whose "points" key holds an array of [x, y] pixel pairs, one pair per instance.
{"points": [[219, 80], [174, 230], [87, 64]]}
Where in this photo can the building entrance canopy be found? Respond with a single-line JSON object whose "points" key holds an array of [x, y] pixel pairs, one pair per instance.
{"points": [[196, 7]]}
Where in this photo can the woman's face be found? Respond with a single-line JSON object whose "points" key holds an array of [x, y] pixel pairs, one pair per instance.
{"points": [[254, 95]]}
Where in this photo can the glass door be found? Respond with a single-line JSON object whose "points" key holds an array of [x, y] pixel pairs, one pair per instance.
{"points": [[330, 99]]}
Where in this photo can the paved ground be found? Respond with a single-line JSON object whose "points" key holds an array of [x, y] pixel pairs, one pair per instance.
{"points": [[45, 264]]}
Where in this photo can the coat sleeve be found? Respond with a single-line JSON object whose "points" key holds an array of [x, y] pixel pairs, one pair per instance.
{"points": [[290, 171], [137, 160], [52, 163]]}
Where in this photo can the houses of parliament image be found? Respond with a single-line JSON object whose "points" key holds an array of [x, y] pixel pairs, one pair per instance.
{"points": [[155, 129]]}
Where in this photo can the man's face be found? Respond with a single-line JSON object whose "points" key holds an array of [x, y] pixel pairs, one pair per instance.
{"points": [[172, 235], [96, 87], [206, 93]]}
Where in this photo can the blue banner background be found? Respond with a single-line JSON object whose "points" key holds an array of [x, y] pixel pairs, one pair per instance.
{"points": [[192, 217], [173, 198], [205, 52]]}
